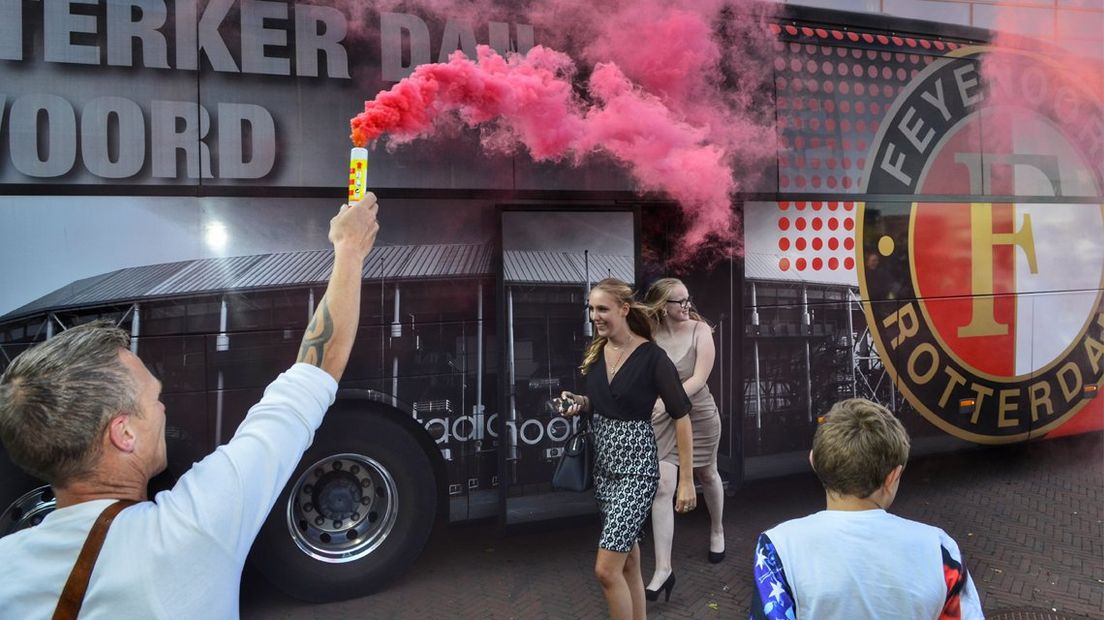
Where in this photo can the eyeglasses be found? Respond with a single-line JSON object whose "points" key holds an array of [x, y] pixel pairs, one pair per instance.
{"points": [[683, 303]]}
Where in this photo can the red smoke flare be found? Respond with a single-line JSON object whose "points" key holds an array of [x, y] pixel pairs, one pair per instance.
{"points": [[530, 97], [530, 100], [703, 130]]}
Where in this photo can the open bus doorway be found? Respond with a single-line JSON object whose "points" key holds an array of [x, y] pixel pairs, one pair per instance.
{"points": [[550, 258], [714, 275]]}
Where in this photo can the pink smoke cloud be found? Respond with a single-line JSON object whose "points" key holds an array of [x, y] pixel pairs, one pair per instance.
{"points": [[530, 101], [661, 62], [707, 60], [530, 97], [1074, 83], [663, 153], [675, 95]]}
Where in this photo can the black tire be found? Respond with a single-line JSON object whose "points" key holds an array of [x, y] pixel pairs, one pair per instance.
{"points": [[24, 500], [381, 449]]}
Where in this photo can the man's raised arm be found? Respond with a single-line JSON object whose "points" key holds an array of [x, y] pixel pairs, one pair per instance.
{"points": [[332, 330]]}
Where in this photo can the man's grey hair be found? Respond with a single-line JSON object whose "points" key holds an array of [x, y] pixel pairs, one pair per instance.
{"points": [[57, 398]]}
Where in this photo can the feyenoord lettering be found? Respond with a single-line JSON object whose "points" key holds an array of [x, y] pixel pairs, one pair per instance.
{"points": [[988, 299]]}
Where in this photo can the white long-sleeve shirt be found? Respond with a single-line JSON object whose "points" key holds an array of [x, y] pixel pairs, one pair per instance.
{"points": [[181, 555]]}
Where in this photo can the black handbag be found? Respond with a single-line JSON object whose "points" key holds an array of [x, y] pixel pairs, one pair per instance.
{"points": [[575, 471]]}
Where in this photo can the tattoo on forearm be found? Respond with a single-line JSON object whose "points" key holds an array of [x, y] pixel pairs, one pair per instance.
{"points": [[318, 336]]}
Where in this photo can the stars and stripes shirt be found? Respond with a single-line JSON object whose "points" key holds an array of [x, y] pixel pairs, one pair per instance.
{"points": [[860, 564]]}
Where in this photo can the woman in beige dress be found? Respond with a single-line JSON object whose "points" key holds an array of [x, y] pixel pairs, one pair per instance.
{"points": [[688, 341]]}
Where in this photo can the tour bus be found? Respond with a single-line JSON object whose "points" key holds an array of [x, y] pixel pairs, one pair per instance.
{"points": [[172, 167]]}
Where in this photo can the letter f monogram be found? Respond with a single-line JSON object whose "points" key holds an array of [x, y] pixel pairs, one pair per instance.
{"points": [[983, 321]]}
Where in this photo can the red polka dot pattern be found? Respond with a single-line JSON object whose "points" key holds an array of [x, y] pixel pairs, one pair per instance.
{"points": [[811, 242], [832, 99]]}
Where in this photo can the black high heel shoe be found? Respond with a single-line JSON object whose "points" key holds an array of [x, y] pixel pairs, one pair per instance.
{"points": [[716, 557], [668, 585]]}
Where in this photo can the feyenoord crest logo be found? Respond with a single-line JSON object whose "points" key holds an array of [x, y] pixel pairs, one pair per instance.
{"points": [[982, 268]]}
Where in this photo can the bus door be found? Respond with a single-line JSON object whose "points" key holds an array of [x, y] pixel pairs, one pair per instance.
{"points": [[550, 257], [715, 288], [714, 276]]}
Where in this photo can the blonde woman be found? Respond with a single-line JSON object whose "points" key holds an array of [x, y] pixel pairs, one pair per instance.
{"points": [[688, 340], [625, 374]]}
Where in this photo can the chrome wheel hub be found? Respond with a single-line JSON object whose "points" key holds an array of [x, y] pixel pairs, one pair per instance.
{"points": [[28, 510], [342, 508]]}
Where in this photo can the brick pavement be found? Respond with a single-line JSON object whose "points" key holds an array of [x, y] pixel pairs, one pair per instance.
{"points": [[1028, 520]]}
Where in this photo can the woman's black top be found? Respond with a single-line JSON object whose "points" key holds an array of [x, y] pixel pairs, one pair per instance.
{"points": [[647, 374]]}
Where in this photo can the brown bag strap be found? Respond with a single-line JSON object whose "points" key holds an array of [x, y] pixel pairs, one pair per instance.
{"points": [[73, 595]]}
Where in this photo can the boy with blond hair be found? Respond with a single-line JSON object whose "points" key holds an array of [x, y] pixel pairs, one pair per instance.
{"points": [[854, 560]]}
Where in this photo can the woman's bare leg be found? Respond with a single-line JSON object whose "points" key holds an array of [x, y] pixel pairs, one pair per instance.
{"points": [[663, 523], [713, 490], [636, 583], [609, 567]]}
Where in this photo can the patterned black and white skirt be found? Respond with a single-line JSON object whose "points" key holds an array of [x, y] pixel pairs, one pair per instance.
{"points": [[626, 475]]}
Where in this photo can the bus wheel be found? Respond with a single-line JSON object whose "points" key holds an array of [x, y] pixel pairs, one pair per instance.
{"points": [[356, 513], [24, 501]]}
